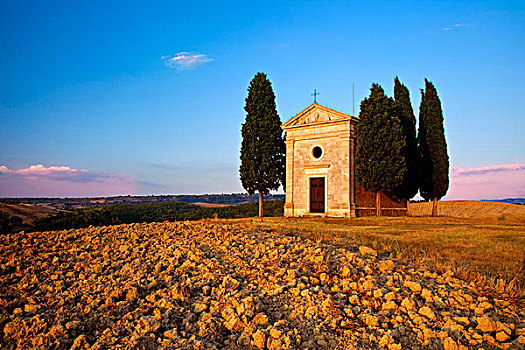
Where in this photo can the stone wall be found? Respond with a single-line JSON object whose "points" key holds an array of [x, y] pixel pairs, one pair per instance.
{"points": [[365, 202]]}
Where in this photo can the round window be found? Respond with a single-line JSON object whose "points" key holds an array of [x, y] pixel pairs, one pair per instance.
{"points": [[317, 152]]}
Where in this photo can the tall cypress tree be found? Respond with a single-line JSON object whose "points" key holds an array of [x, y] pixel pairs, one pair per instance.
{"points": [[263, 150], [410, 185], [432, 147], [380, 165]]}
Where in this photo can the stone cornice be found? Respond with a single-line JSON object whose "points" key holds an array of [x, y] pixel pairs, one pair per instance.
{"points": [[341, 117]]}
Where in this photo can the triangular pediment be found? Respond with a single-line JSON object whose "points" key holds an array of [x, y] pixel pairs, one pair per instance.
{"points": [[316, 114]]}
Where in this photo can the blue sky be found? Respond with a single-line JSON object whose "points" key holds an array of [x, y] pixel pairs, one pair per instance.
{"points": [[88, 88]]}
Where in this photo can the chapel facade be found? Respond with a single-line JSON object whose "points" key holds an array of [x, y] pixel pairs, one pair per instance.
{"points": [[320, 167], [320, 163]]}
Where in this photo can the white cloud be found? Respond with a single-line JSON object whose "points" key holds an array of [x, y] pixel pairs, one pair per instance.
{"points": [[63, 173], [41, 169], [186, 60], [4, 169], [41, 181], [457, 25], [487, 170], [497, 181]]}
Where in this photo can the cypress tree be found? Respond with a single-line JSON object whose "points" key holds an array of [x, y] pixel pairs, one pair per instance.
{"points": [[432, 147], [263, 150], [380, 165], [410, 185]]}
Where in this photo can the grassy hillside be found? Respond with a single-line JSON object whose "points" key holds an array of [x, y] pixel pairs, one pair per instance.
{"points": [[17, 217], [470, 209], [26, 212]]}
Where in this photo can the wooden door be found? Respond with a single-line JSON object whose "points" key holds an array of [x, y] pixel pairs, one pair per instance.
{"points": [[317, 195]]}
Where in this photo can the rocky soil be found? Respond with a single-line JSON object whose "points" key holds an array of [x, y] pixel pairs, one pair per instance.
{"points": [[207, 286]]}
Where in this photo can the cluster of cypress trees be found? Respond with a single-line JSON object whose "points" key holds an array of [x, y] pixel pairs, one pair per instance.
{"points": [[380, 162], [390, 158]]}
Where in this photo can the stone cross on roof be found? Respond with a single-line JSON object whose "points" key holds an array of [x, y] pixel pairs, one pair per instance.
{"points": [[315, 95]]}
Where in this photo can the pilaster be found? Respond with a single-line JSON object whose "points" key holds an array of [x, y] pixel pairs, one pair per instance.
{"points": [[289, 203], [352, 171]]}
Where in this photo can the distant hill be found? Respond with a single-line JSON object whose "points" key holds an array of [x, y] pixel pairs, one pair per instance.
{"points": [[152, 212], [92, 202], [20, 216], [507, 200], [49, 216], [56, 213], [27, 212], [471, 209]]}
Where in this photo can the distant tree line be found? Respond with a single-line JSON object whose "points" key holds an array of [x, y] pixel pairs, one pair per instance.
{"points": [[91, 202], [150, 212], [390, 157]]}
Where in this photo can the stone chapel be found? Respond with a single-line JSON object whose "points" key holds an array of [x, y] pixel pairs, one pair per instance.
{"points": [[320, 148]]}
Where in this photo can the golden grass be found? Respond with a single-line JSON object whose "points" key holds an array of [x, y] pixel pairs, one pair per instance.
{"points": [[489, 252], [470, 209], [210, 205], [27, 212]]}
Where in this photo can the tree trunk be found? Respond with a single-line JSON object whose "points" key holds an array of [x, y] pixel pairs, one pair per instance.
{"points": [[435, 207], [408, 207], [260, 204], [378, 203]]}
